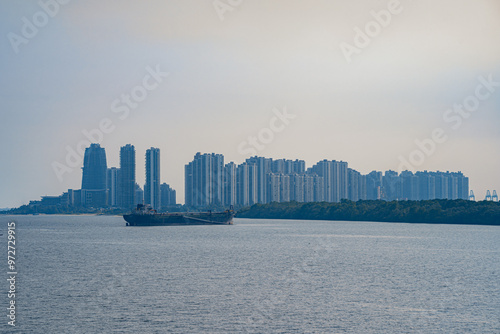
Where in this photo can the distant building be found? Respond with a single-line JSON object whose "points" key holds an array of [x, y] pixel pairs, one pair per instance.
{"points": [[309, 185], [319, 188], [354, 178], [392, 187], [284, 188], [426, 186], [152, 186], [75, 197], [168, 196], [374, 182], [335, 178], [463, 186], [441, 184], [94, 177], [273, 187], [230, 184], [94, 168], [138, 195], [297, 187], [246, 176], [126, 184], [204, 181], [288, 167], [422, 185], [112, 181], [264, 167], [410, 186]]}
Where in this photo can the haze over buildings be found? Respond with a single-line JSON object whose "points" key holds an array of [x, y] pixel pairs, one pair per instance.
{"points": [[227, 77], [212, 184]]}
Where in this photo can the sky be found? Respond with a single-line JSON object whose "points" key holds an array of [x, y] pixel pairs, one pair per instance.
{"points": [[373, 83]]}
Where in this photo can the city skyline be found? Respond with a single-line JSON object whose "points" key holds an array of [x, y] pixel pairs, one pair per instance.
{"points": [[210, 183], [296, 81]]}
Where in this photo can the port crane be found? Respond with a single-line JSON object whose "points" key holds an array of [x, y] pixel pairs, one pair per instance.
{"points": [[490, 197], [472, 197]]}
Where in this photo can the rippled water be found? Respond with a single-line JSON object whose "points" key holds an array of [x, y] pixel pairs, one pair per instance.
{"points": [[91, 274]]}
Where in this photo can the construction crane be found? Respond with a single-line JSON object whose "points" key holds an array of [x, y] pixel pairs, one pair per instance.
{"points": [[494, 197], [472, 197], [488, 196]]}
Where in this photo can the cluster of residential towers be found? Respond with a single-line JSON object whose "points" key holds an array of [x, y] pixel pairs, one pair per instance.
{"points": [[211, 183]]}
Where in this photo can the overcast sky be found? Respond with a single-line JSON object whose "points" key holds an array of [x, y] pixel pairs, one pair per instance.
{"points": [[229, 69]]}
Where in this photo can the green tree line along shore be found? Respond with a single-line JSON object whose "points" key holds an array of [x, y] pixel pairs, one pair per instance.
{"points": [[431, 211]]}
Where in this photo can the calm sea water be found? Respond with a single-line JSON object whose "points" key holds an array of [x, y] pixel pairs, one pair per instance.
{"points": [[91, 274]]}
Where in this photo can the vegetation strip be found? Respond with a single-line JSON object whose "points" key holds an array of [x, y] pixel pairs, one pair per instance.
{"points": [[432, 211]]}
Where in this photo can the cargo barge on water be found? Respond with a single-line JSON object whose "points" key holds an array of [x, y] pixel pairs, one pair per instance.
{"points": [[146, 216]]}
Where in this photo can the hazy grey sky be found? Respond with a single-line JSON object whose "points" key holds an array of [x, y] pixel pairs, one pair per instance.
{"points": [[226, 76]]}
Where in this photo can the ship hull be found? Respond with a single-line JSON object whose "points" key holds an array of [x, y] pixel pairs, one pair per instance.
{"points": [[180, 219]]}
